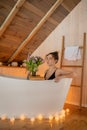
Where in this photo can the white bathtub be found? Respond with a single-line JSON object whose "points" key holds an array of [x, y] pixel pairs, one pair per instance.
{"points": [[18, 96]]}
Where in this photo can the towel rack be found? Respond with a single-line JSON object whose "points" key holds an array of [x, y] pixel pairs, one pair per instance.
{"points": [[79, 66]]}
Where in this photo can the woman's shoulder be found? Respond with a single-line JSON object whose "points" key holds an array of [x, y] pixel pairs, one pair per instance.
{"points": [[46, 71]]}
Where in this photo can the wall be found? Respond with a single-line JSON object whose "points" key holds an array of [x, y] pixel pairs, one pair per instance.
{"points": [[73, 27]]}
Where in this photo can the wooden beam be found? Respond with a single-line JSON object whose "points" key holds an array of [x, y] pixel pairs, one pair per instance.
{"points": [[35, 30], [38, 12], [11, 16]]}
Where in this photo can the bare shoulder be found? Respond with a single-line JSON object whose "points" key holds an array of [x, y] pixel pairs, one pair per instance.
{"points": [[46, 71]]}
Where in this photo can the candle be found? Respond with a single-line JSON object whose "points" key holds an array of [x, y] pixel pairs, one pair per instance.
{"points": [[67, 111], [32, 120], [40, 117], [4, 117], [50, 118], [56, 118], [12, 120], [22, 117]]}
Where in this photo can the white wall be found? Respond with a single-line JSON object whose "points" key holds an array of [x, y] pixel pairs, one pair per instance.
{"points": [[72, 27]]}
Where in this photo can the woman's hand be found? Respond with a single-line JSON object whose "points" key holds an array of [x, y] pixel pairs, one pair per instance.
{"points": [[57, 79]]}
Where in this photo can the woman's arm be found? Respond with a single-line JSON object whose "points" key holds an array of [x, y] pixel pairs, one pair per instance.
{"points": [[63, 74]]}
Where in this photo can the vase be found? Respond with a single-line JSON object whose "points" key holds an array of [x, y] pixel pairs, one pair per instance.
{"points": [[33, 73]]}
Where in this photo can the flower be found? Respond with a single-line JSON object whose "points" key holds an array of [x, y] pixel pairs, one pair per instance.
{"points": [[33, 62]]}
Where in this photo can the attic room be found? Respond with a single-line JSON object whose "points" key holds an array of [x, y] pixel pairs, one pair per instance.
{"points": [[43, 56]]}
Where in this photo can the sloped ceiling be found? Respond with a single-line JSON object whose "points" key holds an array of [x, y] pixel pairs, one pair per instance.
{"points": [[19, 18]]}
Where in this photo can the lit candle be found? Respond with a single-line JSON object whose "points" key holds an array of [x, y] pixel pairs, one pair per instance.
{"points": [[50, 118], [32, 120], [56, 118], [4, 117], [67, 111], [22, 117], [40, 117], [12, 120]]}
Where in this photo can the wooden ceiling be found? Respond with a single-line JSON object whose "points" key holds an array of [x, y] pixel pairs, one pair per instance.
{"points": [[25, 24]]}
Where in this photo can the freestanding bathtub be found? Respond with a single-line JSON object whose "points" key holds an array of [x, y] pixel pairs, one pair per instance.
{"points": [[29, 97]]}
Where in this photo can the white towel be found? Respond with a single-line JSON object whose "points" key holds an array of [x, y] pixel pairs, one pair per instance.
{"points": [[72, 53]]}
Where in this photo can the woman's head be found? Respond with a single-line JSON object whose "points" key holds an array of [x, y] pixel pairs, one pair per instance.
{"points": [[52, 58]]}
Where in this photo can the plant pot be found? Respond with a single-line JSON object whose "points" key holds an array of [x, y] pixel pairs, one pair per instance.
{"points": [[33, 73]]}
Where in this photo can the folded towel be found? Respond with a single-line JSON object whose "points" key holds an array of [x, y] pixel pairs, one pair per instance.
{"points": [[72, 53]]}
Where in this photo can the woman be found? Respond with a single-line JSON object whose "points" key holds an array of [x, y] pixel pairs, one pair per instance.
{"points": [[53, 72]]}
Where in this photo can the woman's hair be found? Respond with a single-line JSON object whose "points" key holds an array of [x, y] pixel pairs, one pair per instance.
{"points": [[54, 54]]}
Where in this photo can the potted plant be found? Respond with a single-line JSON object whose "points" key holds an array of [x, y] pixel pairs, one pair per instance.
{"points": [[32, 64]]}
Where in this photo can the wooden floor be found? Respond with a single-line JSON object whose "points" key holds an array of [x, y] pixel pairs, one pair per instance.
{"points": [[75, 120]]}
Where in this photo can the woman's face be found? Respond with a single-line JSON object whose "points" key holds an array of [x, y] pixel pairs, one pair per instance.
{"points": [[50, 60]]}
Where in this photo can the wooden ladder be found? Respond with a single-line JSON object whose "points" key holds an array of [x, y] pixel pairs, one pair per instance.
{"points": [[80, 66]]}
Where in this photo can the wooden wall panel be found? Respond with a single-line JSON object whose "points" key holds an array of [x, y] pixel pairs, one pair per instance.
{"points": [[5, 8], [25, 21], [59, 14], [36, 41], [43, 5], [18, 30]]}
